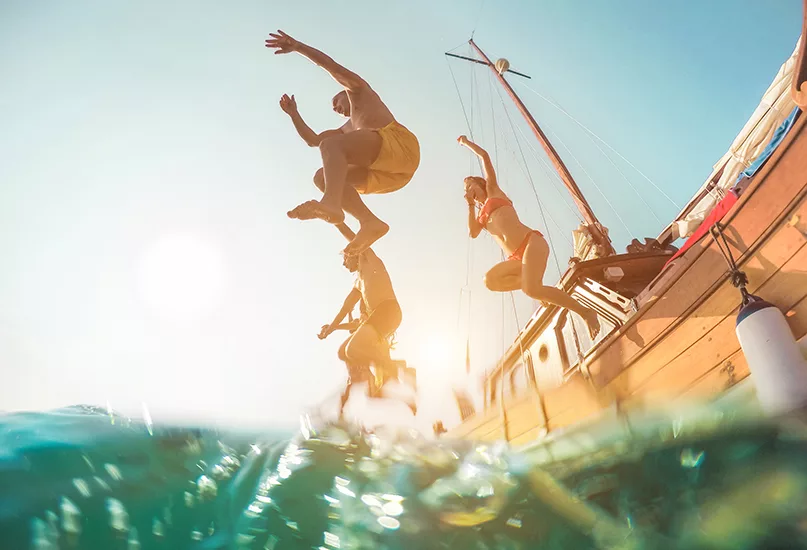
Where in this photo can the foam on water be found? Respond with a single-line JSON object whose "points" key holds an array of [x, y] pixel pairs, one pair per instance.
{"points": [[86, 478]]}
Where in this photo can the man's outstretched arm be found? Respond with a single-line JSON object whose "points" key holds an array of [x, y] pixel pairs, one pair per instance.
{"points": [[352, 299], [283, 43], [311, 138]]}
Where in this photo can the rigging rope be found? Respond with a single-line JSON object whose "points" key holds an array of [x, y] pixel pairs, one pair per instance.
{"points": [[493, 120], [469, 251], [478, 17], [552, 176], [621, 173], [532, 184], [624, 177], [462, 104], [541, 209], [597, 187], [598, 138], [551, 218]]}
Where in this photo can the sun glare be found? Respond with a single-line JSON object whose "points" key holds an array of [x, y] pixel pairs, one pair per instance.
{"points": [[437, 352], [181, 277]]}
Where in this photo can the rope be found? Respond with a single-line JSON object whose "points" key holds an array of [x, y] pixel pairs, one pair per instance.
{"points": [[598, 138], [597, 187], [551, 218], [515, 315], [458, 46], [738, 278], [624, 177], [462, 104], [621, 173], [478, 17], [552, 176], [469, 248], [540, 206], [475, 92], [563, 232], [493, 120], [532, 183], [503, 322]]}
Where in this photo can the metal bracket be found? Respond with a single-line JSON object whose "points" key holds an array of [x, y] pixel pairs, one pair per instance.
{"points": [[728, 368]]}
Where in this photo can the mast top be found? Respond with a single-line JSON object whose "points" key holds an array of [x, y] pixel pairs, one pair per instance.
{"points": [[594, 226]]}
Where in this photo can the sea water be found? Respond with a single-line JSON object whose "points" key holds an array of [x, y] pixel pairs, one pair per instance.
{"points": [[86, 478]]}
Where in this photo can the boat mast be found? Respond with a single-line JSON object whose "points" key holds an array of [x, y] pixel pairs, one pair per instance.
{"points": [[593, 224]]}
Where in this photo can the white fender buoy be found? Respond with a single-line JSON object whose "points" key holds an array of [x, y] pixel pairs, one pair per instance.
{"points": [[778, 369], [502, 65]]}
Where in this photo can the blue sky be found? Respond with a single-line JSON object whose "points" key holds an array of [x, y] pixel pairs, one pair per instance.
{"points": [[141, 139]]}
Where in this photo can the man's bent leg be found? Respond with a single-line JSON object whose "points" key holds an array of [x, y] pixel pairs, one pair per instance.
{"points": [[359, 148], [371, 228], [367, 347], [351, 200]]}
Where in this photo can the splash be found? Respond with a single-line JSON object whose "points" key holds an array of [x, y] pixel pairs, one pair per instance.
{"points": [[73, 479]]}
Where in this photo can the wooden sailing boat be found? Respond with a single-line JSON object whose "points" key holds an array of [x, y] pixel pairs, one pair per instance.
{"points": [[668, 325]]}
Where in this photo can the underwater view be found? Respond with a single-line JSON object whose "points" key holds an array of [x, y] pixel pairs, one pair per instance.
{"points": [[87, 478]]}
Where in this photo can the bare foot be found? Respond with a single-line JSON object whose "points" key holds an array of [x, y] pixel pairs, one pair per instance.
{"points": [[315, 209], [369, 233], [593, 323]]}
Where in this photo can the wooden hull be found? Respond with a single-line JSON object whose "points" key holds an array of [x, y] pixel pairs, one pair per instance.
{"points": [[681, 341]]}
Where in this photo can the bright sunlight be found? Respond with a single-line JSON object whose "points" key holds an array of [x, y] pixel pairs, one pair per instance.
{"points": [[181, 277]]}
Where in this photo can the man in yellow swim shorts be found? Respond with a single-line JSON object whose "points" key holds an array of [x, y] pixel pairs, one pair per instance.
{"points": [[371, 153]]}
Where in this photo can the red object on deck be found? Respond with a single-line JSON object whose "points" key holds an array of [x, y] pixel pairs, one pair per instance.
{"points": [[714, 216]]}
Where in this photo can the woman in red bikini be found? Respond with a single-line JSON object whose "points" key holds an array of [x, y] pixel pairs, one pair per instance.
{"points": [[528, 250]]}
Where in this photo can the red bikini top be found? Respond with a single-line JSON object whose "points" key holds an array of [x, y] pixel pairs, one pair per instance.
{"points": [[490, 206]]}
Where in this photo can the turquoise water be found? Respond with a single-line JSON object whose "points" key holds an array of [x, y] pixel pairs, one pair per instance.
{"points": [[83, 478]]}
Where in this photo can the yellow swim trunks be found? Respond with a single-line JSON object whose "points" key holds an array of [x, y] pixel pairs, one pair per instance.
{"points": [[397, 161]]}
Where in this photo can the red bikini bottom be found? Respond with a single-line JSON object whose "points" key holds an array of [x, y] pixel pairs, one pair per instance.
{"points": [[518, 253]]}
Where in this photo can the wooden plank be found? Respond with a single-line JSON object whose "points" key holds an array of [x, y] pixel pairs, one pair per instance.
{"points": [[784, 289], [576, 393], [704, 359], [735, 368], [475, 423], [720, 378], [760, 267], [781, 181], [797, 319], [486, 432], [528, 436], [483, 428], [524, 416], [572, 416], [691, 289]]}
